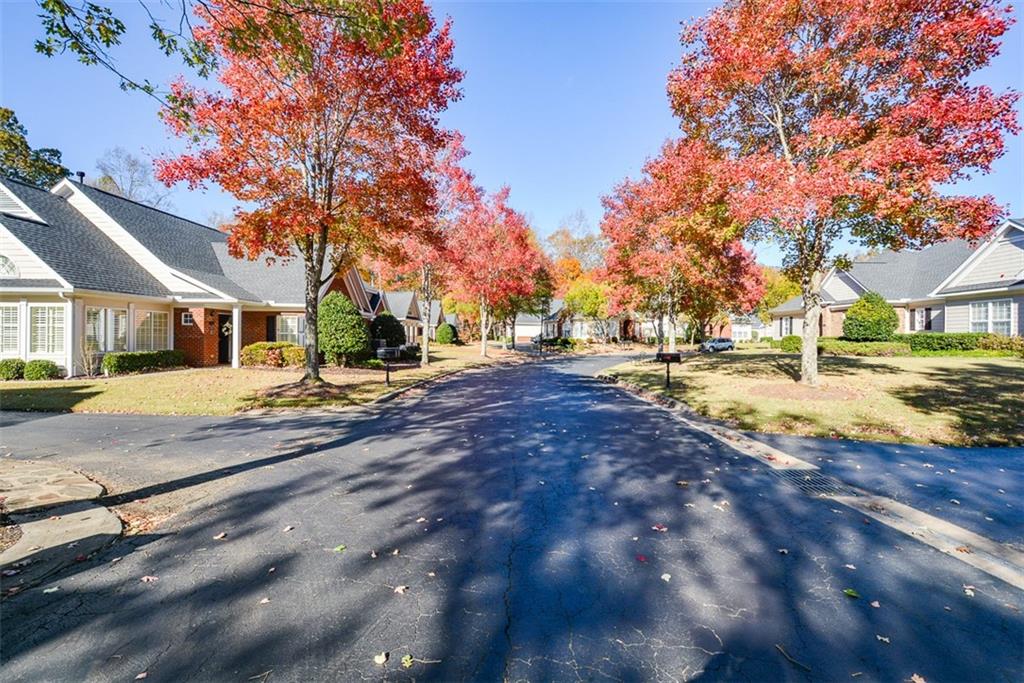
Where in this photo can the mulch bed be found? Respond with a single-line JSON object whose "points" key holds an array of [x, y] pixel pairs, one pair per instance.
{"points": [[794, 391], [9, 531]]}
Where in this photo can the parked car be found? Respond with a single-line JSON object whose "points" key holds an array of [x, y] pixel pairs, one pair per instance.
{"points": [[717, 344]]}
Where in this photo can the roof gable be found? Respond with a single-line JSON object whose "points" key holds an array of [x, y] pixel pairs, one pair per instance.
{"points": [[997, 264]]}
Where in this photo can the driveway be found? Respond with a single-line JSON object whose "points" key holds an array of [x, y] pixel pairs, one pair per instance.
{"points": [[518, 523]]}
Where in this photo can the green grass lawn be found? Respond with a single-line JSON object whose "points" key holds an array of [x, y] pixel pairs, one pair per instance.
{"points": [[941, 400], [223, 390]]}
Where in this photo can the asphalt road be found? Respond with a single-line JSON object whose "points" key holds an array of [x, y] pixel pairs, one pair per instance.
{"points": [[516, 506]]}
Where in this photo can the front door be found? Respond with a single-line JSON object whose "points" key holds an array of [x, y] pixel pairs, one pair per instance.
{"points": [[223, 338]]}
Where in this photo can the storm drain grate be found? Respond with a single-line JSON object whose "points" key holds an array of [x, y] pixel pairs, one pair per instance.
{"points": [[814, 483]]}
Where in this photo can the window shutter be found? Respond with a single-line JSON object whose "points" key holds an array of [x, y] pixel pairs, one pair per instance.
{"points": [[271, 328], [927, 318], [302, 330]]}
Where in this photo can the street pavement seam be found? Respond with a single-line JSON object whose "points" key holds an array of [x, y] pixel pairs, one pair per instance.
{"points": [[993, 558]]}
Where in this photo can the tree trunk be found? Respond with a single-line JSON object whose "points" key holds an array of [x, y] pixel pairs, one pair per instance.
{"points": [[312, 311], [426, 289], [661, 332], [672, 334], [514, 317], [483, 329], [811, 291]]}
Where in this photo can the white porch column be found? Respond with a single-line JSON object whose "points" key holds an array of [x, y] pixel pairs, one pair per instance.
{"points": [[236, 336], [25, 329], [70, 320], [130, 329]]}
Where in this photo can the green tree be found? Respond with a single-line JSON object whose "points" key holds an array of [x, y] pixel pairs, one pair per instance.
{"points": [[39, 167], [870, 318], [386, 326], [777, 290], [343, 334], [446, 334], [589, 299]]}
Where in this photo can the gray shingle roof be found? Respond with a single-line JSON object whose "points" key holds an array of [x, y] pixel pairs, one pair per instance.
{"points": [[28, 283], [75, 248], [982, 286], [180, 243], [282, 281], [899, 275], [435, 311]]}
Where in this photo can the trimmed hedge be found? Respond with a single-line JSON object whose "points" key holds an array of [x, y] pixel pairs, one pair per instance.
{"points": [[41, 369], [387, 327], [791, 343], [944, 341], [446, 334], [274, 354], [124, 362], [341, 330], [846, 347], [870, 318], [12, 368]]}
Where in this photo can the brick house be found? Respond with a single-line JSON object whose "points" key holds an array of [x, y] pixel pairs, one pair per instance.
{"points": [[84, 272], [947, 287]]}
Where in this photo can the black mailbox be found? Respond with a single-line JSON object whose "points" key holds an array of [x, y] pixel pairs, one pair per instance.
{"points": [[669, 357], [389, 353]]}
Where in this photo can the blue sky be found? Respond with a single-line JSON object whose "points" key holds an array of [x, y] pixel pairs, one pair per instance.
{"points": [[561, 100]]}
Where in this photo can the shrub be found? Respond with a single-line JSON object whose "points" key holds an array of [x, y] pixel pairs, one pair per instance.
{"points": [[370, 364], [997, 342], [446, 334], [944, 341], [386, 326], [266, 353], [124, 362], [411, 352], [12, 368], [294, 356], [845, 347], [791, 343], [344, 336], [41, 369], [870, 318]]}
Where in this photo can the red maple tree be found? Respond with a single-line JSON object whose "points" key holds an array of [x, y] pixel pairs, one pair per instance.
{"points": [[846, 120], [496, 260], [673, 248], [326, 137]]}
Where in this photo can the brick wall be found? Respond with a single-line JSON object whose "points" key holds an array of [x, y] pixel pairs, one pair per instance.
{"points": [[254, 326], [199, 340]]}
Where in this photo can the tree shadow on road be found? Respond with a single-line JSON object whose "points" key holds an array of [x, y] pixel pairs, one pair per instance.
{"points": [[526, 513]]}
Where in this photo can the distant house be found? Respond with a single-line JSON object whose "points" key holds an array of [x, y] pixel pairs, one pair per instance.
{"points": [[84, 272], [405, 306], [529, 325], [947, 287], [741, 328]]}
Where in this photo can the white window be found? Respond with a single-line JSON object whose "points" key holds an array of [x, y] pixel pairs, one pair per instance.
{"points": [[187, 320], [95, 328], [7, 267], [291, 328], [46, 336], [9, 331], [151, 331], [787, 326], [119, 330], [992, 316]]}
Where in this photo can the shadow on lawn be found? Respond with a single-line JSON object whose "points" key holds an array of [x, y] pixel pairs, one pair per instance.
{"points": [[766, 365], [986, 400], [533, 490], [50, 399]]}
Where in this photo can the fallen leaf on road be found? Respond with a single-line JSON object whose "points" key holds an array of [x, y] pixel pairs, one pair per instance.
{"points": [[272, 570], [783, 551], [431, 574], [688, 505], [80, 558], [660, 527], [884, 639], [850, 593], [339, 549], [954, 501], [421, 520], [666, 577], [373, 554], [221, 536], [51, 590], [917, 678], [381, 658], [395, 551], [10, 572], [963, 549], [682, 483], [875, 604], [407, 661], [401, 589], [849, 566], [150, 579], [141, 676], [289, 527], [641, 558], [969, 591], [264, 601]]}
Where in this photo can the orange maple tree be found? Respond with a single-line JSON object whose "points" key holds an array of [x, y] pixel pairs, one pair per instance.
{"points": [[326, 137]]}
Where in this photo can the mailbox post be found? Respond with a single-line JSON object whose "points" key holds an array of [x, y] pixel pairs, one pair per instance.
{"points": [[387, 354], [668, 359]]}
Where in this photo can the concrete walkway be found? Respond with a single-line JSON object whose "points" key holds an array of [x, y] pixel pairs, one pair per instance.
{"points": [[59, 524]]}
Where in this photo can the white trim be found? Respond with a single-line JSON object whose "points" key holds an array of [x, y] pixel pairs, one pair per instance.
{"points": [[29, 213], [972, 260], [236, 336], [199, 283]]}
